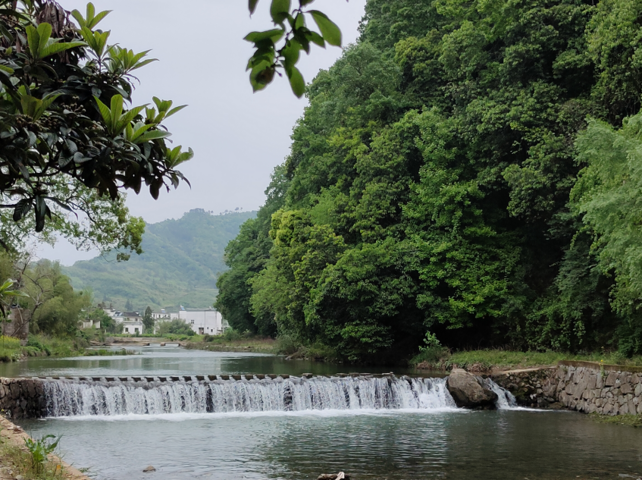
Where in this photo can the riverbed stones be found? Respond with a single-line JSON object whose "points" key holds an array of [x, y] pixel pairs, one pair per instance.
{"points": [[468, 390]]}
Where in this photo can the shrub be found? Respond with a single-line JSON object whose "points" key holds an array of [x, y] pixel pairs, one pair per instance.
{"points": [[286, 345], [39, 451], [231, 335]]}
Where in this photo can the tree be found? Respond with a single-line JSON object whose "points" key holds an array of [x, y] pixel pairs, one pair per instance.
{"points": [[54, 306], [429, 185], [7, 296], [70, 145], [128, 305], [148, 320], [106, 322], [608, 196], [175, 327]]}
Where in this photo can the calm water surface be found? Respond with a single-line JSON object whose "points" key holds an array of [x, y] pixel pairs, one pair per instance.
{"points": [[395, 445]]}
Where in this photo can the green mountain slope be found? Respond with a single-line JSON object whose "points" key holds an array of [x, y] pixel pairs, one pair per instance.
{"points": [[179, 266]]}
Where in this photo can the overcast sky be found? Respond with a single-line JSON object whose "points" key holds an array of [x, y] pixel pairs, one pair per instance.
{"points": [[238, 137]]}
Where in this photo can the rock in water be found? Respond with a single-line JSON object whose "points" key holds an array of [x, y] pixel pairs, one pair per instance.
{"points": [[149, 469], [468, 391]]}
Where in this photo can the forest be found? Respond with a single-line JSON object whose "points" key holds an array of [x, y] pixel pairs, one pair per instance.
{"points": [[467, 174]]}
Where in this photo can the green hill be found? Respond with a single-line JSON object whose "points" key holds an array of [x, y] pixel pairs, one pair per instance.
{"points": [[179, 266]]}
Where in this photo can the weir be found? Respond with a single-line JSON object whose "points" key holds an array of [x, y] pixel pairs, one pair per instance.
{"points": [[152, 395], [243, 394]]}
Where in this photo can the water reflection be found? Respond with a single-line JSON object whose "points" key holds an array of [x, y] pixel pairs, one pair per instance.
{"points": [[393, 446], [175, 361]]}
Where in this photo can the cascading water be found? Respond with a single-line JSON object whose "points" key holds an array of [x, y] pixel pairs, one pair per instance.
{"points": [[73, 398], [505, 399]]}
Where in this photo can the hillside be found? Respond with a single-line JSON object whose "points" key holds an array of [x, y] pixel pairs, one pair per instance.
{"points": [[179, 265]]}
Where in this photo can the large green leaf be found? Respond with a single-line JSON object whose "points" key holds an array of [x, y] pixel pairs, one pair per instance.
{"points": [[279, 10], [331, 33], [104, 111], [275, 35], [296, 82]]}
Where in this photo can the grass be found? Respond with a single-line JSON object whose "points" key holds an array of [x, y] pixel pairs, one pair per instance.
{"points": [[19, 461], [43, 345], [225, 343], [627, 420], [103, 352], [514, 359]]}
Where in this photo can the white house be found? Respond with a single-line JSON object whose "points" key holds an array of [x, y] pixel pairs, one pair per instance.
{"points": [[202, 320], [132, 327]]}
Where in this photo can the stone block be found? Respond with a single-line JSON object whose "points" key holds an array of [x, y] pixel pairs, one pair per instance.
{"points": [[610, 380], [599, 381], [592, 381], [626, 388]]}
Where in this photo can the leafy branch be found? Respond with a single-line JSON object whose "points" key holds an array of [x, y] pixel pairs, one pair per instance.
{"points": [[292, 35]]}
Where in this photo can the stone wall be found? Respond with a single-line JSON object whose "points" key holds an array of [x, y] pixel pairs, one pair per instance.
{"points": [[22, 398], [532, 387], [583, 386]]}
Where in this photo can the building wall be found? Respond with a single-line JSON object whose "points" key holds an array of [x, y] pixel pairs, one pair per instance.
{"points": [[130, 327], [203, 321]]}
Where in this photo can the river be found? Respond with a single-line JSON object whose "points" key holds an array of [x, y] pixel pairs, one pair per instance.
{"points": [[426, 440]]}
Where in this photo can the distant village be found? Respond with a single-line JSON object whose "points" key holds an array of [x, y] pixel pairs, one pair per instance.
{"points": [[201, 320]]}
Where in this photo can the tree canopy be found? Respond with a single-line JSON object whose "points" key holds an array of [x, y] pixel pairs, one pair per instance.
{"points": [[70, 141], [443, 180]]}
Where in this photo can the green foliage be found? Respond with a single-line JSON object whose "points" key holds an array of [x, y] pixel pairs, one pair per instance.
{"points": [[39, 450], [148, 320], [180, 264], [246, 255], [63, 149], [175, 327], [433, 185], [286, 345], [279, 48], [608, 195], [628, 420]]}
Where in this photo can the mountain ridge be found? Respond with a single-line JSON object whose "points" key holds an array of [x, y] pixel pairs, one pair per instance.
{"points": [[179, 265]]}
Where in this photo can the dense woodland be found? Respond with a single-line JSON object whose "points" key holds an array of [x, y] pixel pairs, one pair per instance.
{"points": [[467, 169]]}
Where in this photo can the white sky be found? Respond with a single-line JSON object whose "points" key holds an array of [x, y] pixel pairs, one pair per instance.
{"points": [[238, 137]]}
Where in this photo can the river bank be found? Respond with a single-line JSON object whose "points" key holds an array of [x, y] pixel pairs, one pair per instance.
{"points": [[16, 460], [495, 361]]}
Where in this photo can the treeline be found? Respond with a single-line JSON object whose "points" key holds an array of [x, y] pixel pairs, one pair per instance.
{"points": [[45, 296], [467, 169]]}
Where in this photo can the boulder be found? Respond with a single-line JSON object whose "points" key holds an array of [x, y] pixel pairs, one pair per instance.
{"points": [[148, 469], [468, 391]]}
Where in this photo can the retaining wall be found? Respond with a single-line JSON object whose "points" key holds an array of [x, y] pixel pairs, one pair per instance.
{"points": [[583, 386], [22, 398]]}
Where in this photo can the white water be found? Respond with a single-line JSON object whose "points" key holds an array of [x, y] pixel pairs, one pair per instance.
{"points": [[76, 398], [505, 399]]}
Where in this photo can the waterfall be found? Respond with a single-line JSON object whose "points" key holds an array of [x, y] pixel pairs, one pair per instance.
{"points": [[505, 399], [72, 398]]}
